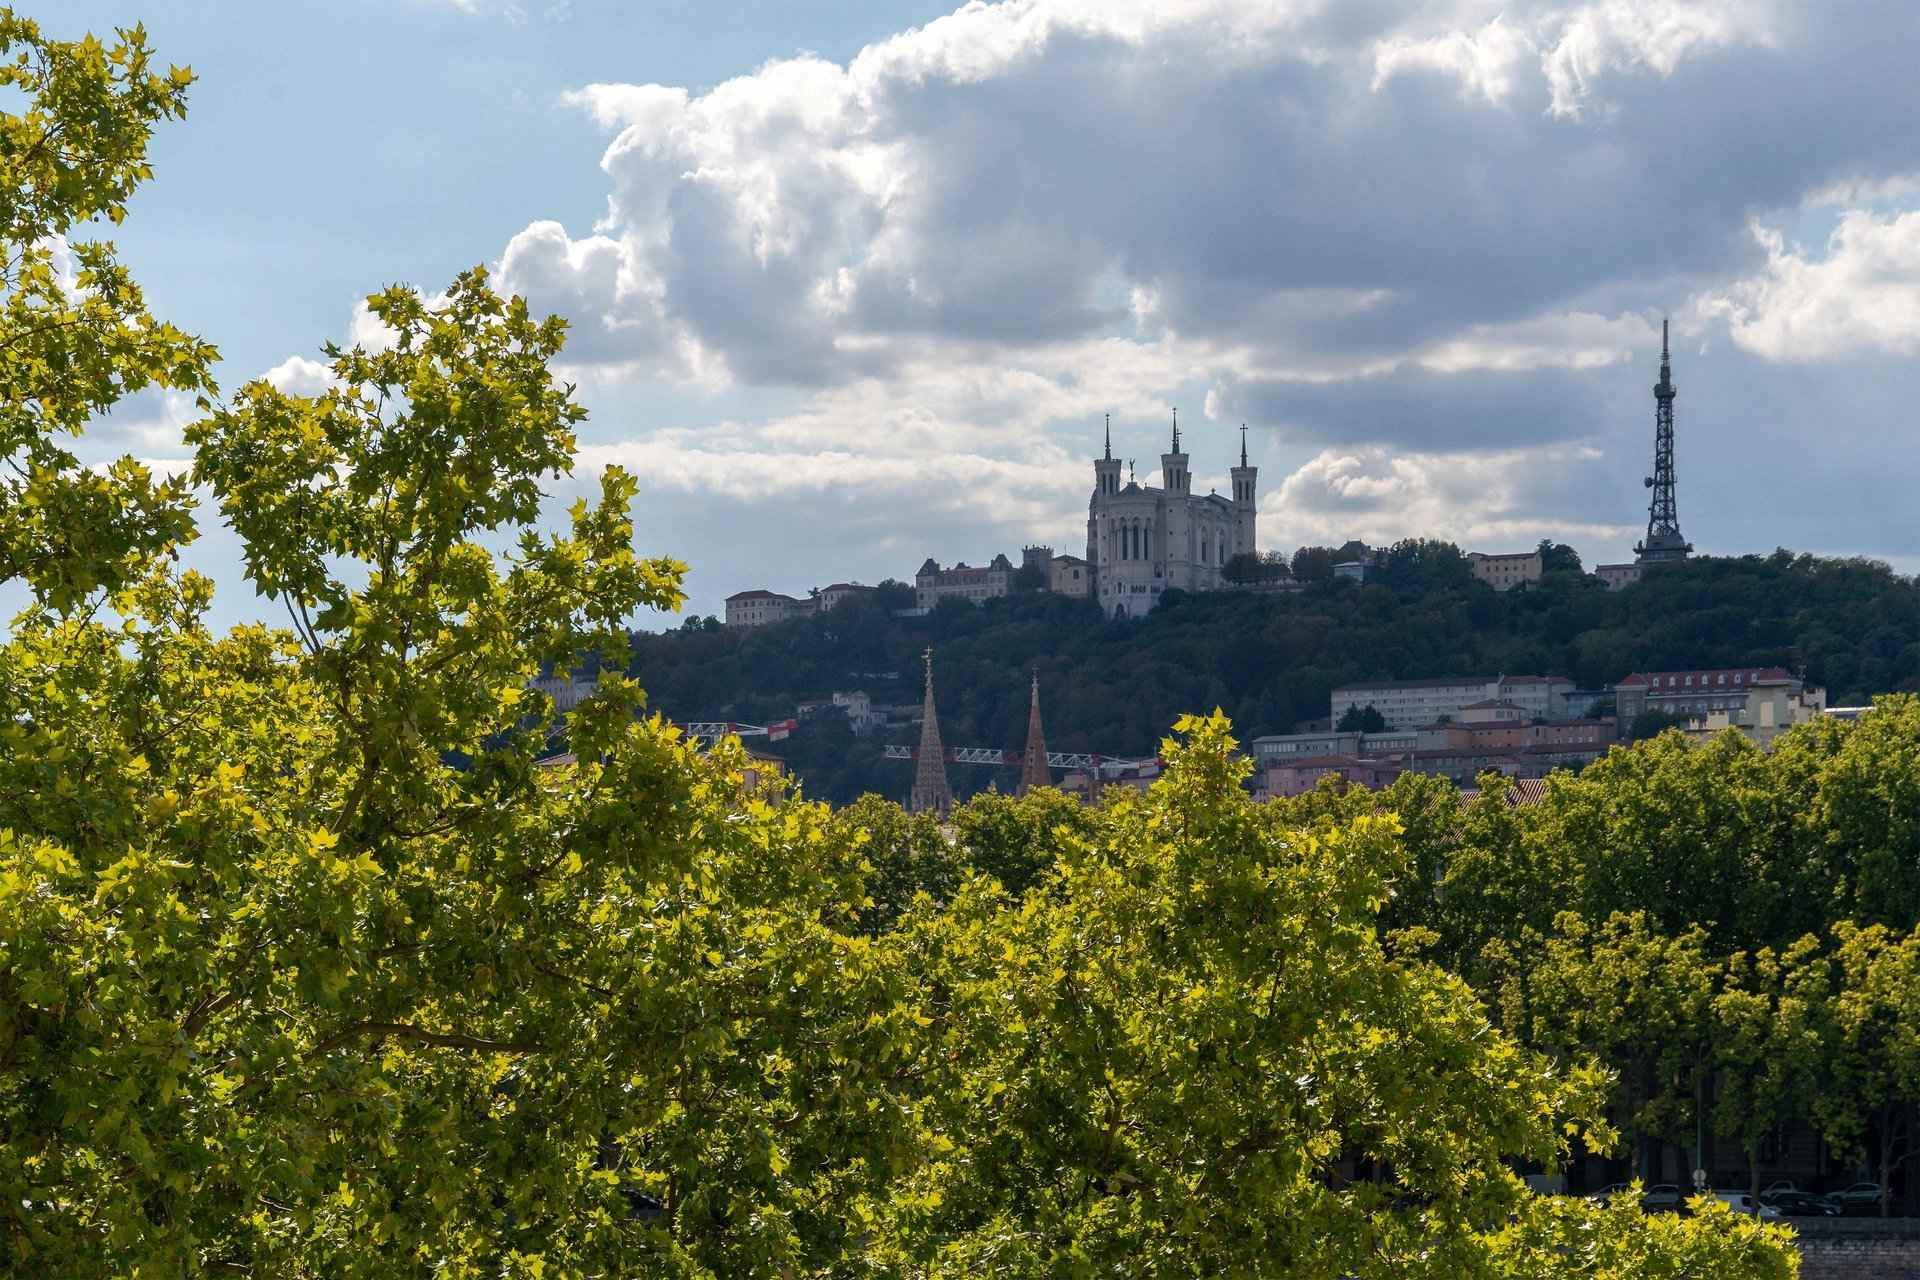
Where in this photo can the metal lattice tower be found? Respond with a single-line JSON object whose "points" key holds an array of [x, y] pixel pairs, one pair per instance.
{"points": [[931, 794], [1664, 543], [1033, 765]]}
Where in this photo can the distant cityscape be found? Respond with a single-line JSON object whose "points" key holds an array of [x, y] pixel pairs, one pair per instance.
{"points": [[1143, 541]]}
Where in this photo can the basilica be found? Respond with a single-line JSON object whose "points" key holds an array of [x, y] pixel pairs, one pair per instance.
{"points": [[1142, 540]]}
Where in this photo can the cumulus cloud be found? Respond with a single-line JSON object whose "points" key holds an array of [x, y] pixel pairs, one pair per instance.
{"points": [[1421, 246], [1485, 501], [1863, 295]]}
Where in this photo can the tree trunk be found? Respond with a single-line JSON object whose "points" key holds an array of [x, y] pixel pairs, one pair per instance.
{"points": [[1886, 1158]]}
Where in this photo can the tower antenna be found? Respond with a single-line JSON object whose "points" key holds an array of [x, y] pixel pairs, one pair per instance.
{"points": [[1664, 543]]}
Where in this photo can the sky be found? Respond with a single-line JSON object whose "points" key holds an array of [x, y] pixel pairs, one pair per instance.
{"points": [[852, 285]]}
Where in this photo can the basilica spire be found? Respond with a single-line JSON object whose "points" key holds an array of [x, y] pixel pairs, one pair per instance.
{"points": [[1243, 444], [1109, 437], [1033, 766], [1176, 431], [930, 791]]}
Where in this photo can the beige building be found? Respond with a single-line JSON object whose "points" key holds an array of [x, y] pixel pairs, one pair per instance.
{"points": [[1070, 576], [759, 608], [1505, 572], [962, 582], [1616, 576], [832, 597], [1769, 708], [1698, 693]]}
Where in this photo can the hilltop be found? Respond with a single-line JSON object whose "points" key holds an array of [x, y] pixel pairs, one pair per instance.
{"points": [[1271, 660]]}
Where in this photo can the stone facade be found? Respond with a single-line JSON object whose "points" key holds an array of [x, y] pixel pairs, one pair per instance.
{"points": [[1143, 541], [962, 582], [763, 608], [1859, 1248], [1505, 572], [1616, 576]]}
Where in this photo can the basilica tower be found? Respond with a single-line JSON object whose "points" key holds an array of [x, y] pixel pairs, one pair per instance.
{"points": [[1246, 504]]}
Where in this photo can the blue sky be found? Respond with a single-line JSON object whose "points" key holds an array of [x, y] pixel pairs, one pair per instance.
{"points": [[852, 285]]}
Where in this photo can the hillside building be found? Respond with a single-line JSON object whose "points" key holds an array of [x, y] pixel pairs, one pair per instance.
{"points": [[1616, 576], [932, 584], [1411, 704], [1505, 572], [1143, 541], [1697, 693], [759, 608]]}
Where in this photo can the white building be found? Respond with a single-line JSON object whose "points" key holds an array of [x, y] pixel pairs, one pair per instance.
{"points": [[1143, 541], [1413, 704]]}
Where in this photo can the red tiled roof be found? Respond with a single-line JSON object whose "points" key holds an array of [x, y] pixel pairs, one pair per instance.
{"points": [[1701, 679]]}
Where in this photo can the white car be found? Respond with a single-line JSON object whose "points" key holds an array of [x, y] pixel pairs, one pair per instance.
{"points": [[1741, 1202]]}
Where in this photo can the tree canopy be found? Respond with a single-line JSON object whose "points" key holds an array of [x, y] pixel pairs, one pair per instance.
{"points": [[314, 963]]}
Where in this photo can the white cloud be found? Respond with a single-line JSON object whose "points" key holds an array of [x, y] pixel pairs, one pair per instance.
{"points": [[1863, 295], [1485, 61], [299, 376], [1485, 501]]}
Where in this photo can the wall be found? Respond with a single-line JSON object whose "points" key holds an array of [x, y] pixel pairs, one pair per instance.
{"points": [[1859, 1249]]}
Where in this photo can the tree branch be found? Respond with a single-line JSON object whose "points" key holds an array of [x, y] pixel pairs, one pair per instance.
{"points": [[419, 1035]]}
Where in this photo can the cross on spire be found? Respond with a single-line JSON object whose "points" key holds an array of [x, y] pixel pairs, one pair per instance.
{"points": [[1243, 444], [1176, 431], [1109, 437]]}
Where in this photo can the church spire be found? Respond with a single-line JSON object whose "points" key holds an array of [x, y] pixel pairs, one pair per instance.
{"points": [[1176, 431], [1033, 766], [1109, 437], [1243, 444], [930, 791]]}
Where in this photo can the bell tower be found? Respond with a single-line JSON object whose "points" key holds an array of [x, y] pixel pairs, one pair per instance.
{"points": [[1246, 501]]}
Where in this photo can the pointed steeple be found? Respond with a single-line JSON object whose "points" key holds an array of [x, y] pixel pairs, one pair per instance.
{"points": [[1033, 766], [1176, 432], [1109, 454], [1243, 444], [930, 791]]}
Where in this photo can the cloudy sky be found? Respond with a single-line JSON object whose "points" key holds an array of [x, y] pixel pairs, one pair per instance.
{"points": [[853, 284]]}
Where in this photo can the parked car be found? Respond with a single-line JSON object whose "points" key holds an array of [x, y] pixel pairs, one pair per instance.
{"points": [[1741, 1202], [1801, 1204], [1774, 1188], [1859, 1199], [1663, 1198], [1608, 1192]]}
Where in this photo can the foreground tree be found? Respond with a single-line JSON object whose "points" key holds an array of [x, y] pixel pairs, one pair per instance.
{"points": [[310, 965], [1190, 1053]]}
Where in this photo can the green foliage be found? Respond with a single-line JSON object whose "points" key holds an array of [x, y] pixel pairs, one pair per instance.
{"points": [[1272, 660], [285, 990], [1365, 719], [75, 333], [1017, 840]]}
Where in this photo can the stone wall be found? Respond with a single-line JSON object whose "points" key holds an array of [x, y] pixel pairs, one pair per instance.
{"points": [[1859, 1248]]}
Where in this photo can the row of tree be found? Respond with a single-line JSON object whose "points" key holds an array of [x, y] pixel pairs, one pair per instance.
{"points": [[309, 966], [1734, 934]]}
